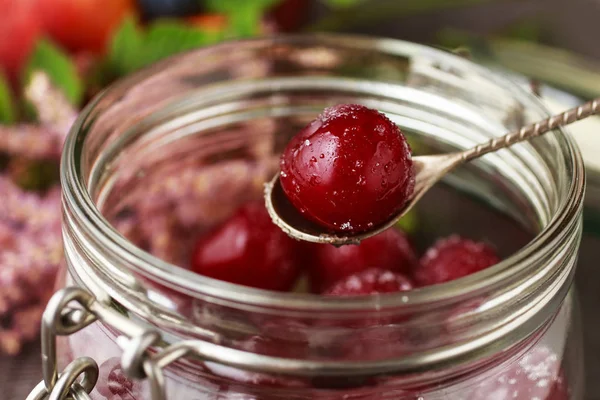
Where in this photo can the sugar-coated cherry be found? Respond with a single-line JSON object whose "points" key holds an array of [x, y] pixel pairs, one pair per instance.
{"points": [[452, 258], [390, 250], [370, 281], [248, 249], [535, 376], [349, 170]]}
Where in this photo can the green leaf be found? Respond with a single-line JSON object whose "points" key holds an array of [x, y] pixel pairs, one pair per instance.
{"points": [[36, 175], [531, 30], [245, 16], [124, 47], [56, 63], [365, 14], [234, 6], [133, 48], [409, 222], [166, 38], [245, 24], [8, 112], [341, 3]]}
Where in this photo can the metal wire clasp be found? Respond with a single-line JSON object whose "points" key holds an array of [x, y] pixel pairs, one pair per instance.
{"points": [[67, 312], [71, 310]]}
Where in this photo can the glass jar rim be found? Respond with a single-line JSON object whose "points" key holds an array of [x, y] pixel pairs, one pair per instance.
{"points": [[76, 195]]}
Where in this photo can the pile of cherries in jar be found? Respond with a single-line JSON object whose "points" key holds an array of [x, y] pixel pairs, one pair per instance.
{"points": [[248, 249], [348, 170]]}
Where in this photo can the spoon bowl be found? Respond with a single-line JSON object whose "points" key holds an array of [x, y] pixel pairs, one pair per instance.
{"points": [[428, 171]]}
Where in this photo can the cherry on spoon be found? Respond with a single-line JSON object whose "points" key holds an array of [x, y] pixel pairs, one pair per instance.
{"points": [[428, 170]]}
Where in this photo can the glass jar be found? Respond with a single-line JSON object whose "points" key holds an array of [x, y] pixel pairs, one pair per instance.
{"points": [[166, 154]]}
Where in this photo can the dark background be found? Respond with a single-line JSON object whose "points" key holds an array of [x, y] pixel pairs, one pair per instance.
{"points": [[570, 24]]}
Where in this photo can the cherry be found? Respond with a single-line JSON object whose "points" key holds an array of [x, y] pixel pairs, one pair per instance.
{"points": [[348, 170], [535, 376], [370, 281], [248, 249], [390, 250], [452, 258]]}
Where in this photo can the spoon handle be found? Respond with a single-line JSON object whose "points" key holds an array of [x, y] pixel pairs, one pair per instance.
{"points": [[537, 129]]}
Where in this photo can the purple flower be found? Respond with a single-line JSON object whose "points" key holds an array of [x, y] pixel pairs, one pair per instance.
{"points": [[30, 222]]}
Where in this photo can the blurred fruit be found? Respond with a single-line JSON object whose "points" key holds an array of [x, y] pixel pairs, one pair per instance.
{"points": [[83, 24], [289, 15], [20, 24], [209, 22], [151, 9]]}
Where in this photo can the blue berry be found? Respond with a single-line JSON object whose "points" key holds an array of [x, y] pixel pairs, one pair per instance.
{"points": [[152, 9]]}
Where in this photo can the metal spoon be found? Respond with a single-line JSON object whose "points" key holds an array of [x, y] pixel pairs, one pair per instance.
{"points": [[428, 170]]}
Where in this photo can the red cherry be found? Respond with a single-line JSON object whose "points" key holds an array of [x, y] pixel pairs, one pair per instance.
{"points": [[348, 170], [535, 376], [248, 249], [390, 250], [20, 27], [84, 24], [370, 281], [453, 258]]}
